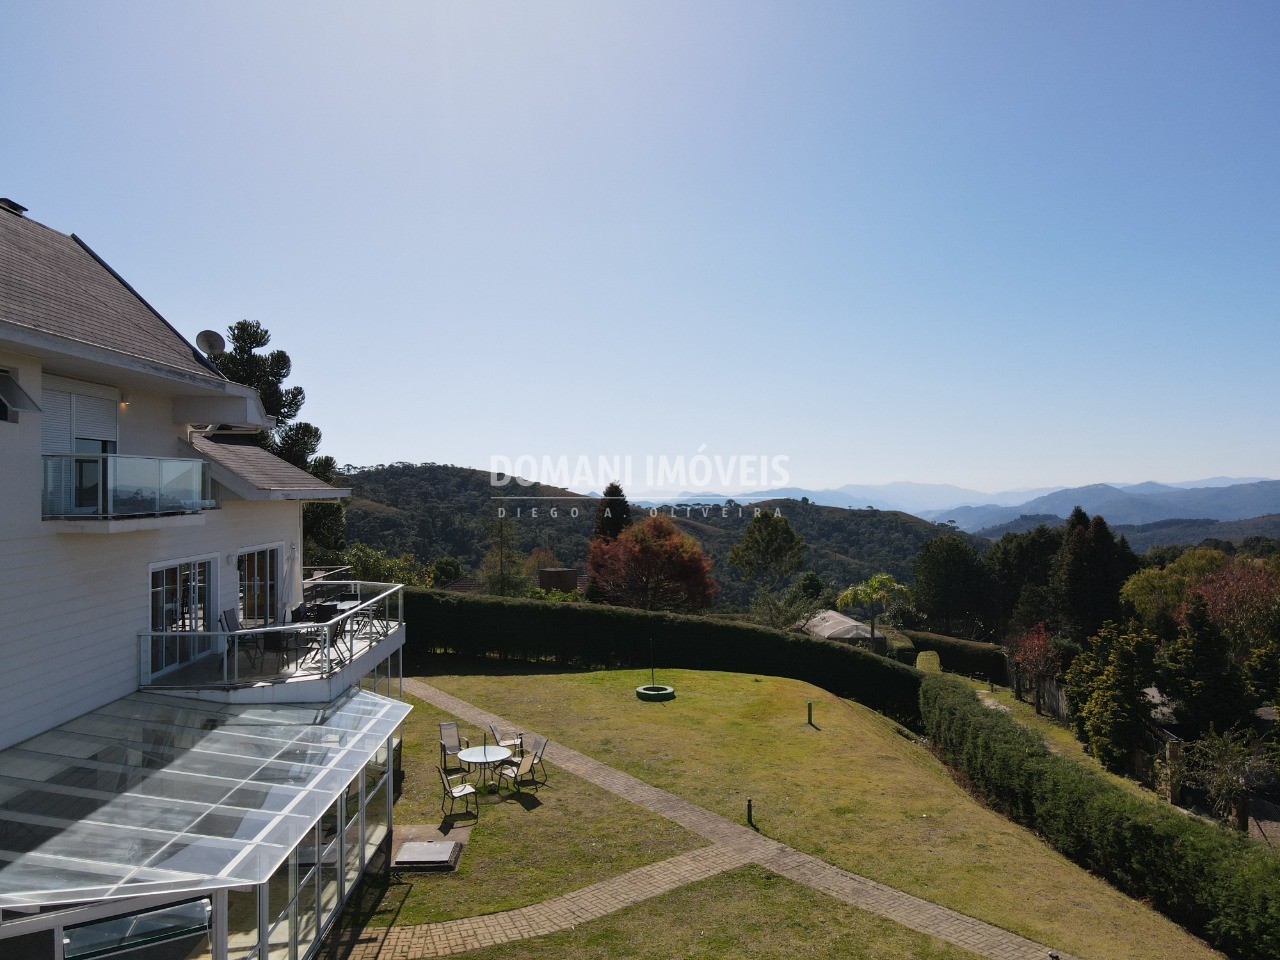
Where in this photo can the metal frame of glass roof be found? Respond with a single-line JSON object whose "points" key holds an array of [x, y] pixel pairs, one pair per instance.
{"points": [[157, 794]]}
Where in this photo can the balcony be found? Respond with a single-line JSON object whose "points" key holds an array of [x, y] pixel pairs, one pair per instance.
{"points": [[352, 630], [108, 487]]}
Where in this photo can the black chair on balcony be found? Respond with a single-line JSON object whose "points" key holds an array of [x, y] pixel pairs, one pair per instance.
{"points": [[280, 644], [237, 639]]}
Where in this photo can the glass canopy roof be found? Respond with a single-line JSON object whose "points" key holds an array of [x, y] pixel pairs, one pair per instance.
{"points": [[156, 794]]}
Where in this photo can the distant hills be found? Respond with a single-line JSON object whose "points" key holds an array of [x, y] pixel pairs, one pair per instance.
{"points": [[1142, 537], [433, 510], [971, 509], [1138, 504], [844, 546]]}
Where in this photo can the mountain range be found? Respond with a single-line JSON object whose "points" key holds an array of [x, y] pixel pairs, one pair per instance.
{"points": [[1218, 498], [1138, 504]]}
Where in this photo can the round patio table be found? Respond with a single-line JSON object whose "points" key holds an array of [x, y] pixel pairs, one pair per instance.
{"points": [[486, 758]]}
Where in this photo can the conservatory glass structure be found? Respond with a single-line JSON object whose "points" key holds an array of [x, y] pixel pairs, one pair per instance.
{"points": [[167, 827]]}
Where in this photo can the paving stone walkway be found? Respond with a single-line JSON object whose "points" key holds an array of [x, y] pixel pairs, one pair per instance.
{"points": [[731, 845]]}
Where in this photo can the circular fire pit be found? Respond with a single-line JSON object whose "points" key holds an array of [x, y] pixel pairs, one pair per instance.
{"points": [[656, 693]]}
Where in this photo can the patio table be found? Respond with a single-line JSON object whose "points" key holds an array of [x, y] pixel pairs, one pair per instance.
{"points": [[486, 758]]}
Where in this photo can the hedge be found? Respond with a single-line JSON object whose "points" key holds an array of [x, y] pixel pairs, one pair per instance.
{"points": [[1215, 883], [591, 635], [970, 658]]}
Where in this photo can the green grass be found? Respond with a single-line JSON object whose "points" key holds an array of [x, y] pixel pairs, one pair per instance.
{"points": [[567, 835], [857, 791], [746, 914]]}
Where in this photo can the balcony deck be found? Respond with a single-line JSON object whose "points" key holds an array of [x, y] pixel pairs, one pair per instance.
{"points": [[301, 661]]}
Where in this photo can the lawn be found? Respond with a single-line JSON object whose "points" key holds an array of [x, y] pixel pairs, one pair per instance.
{"points": [[855, 790], [567, 835], [750, 913]]}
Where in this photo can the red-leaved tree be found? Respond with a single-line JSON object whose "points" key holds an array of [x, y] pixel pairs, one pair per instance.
{"points": [[1239, 597], [653, 566], [1035, 657]]}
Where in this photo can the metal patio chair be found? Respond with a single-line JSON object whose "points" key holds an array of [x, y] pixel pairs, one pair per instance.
{"points": [[518, 771], [450, 744], [250, 643], [511, 741], [537, 747], [454, 792]]}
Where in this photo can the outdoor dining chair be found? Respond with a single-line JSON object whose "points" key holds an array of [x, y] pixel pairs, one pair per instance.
{"points": [[450, 743], [248, 642], [454, 792], [510, 741], [518, 772], [279, 644], [536, 747]]}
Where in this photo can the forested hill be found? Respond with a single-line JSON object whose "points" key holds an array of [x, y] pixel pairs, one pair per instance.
{"points": [[845, 546], [434, 510]]}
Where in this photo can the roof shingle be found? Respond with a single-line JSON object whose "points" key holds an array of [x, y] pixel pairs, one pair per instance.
{"points": [[53, 283], [261, 469]]}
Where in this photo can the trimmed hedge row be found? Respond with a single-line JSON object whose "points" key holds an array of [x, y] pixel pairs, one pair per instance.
{"points": [[590, 635], [971, 658], [1215, 883]]}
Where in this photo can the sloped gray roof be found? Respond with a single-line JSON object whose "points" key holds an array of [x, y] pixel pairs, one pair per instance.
{"points": [[255, 473], [834, 625], [53, 283]]}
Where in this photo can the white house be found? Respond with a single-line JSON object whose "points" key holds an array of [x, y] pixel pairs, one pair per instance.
{"points": [[184, 774]]}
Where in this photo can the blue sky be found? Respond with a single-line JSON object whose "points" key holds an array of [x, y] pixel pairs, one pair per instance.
{"points": [[990, 244]]}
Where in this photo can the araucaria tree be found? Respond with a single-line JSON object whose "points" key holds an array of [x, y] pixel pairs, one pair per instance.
{"points": [[613, 514], [296, 442], [653, 566], [882, 591]]}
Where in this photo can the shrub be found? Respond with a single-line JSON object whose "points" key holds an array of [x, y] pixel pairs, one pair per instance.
{"points": [[1214, 883], [927, 661], [900, 646], [970, 658], [589, 635]]}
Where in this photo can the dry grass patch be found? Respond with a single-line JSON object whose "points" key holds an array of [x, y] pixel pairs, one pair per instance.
{"points": [[856, 791]]}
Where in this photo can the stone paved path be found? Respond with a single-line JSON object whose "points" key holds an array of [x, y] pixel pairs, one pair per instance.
{"points": [[732, 845]]}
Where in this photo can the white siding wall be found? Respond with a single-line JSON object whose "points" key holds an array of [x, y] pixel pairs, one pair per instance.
{"points": [[72, 605]]}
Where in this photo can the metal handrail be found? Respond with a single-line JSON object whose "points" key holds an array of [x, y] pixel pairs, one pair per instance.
{"points": [[318, 574], [331, 631]]}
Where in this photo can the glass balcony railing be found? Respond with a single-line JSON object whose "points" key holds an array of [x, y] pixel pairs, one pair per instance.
{"points": [[336, 624], [80, 486]]}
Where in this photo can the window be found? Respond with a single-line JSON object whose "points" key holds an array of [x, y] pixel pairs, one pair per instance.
{"points": [[184, 929], [78, 418], [260, 587], [13, 398]]}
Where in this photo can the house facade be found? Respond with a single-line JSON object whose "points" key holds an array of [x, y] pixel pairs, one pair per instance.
{"points": [[196, 738]]}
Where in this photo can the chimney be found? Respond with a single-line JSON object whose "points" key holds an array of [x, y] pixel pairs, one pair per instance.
{"points": [[12, 206]]}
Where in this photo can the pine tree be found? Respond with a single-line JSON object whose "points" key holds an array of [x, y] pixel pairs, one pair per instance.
{"points": [[613, 514]]}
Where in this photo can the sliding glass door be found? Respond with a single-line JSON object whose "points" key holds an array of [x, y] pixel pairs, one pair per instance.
{"points": [[260, 587]]}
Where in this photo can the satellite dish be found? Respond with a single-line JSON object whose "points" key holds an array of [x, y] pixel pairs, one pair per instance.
{"points": [[211, 342]]}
